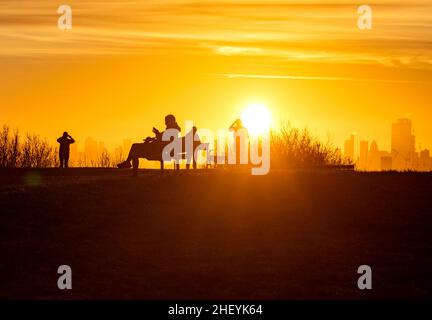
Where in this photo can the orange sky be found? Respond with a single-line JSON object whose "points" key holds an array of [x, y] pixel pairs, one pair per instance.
{"points": [[125, 64]]}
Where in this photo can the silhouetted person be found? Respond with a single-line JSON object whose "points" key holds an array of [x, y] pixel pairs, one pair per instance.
{"points": [[194, 137], [236, 126], [150, 147], [65, 141]]}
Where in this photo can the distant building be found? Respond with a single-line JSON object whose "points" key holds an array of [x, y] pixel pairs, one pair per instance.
{"points": [[349, 148], [90, 151], [119, 156], [386, 162], [403, 155], [363, 156], [74, 158], [402, 145], [425, 161], [374, 158], [81, 160]]}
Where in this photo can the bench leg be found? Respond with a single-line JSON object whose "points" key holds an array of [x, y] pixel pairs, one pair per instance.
{"points": [[135, 165]]}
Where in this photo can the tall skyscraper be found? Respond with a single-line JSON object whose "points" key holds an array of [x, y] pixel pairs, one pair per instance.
{"points": [[425, 161], [73, 160], [90, 151], [386, 162], [349, 148], [364, 151], [402, 145], [374, 157]]}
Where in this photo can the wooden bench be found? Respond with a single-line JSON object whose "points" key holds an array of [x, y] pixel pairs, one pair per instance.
{"points": [[197, 145]]}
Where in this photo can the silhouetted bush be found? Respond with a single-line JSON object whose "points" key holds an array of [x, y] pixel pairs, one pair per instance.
{"points": [[9, 148], [104, 160], [298, 148], [32, 152], [37, 153]]}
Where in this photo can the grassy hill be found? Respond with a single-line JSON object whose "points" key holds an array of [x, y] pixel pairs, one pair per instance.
{"points": [[214, 235]]}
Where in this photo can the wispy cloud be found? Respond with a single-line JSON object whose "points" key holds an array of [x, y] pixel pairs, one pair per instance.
{"points": [[313, 78], [304, 30]]}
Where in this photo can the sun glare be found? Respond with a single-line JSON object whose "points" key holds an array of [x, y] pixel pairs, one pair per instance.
{"points": [[256, 118]]}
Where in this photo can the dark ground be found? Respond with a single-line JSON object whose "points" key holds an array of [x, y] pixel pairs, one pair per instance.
{"points": [[214, 235]]}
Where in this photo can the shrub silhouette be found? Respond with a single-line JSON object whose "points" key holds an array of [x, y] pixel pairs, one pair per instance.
{"points": [[32, 152], [9, 148], [298, 148], [104, 160]]}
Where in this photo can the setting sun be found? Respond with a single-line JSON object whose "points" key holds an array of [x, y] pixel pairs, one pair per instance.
{"points": [[256, 117]]}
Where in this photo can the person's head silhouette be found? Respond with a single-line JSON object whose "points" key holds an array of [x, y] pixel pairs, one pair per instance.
{"points": [[171, 123], [170, 120], [237, 124], [65, 134]]}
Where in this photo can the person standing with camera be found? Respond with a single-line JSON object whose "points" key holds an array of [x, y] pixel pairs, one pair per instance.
{"points": [[65, 141]]}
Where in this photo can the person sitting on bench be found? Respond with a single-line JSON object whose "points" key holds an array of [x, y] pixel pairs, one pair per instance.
{"points": [[151, 147]]}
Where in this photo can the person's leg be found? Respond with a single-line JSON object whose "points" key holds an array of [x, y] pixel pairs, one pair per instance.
{"points": [[61, 160], [134, 151], [238, 141], [145, 150], [66, 160], [135, 165]]}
